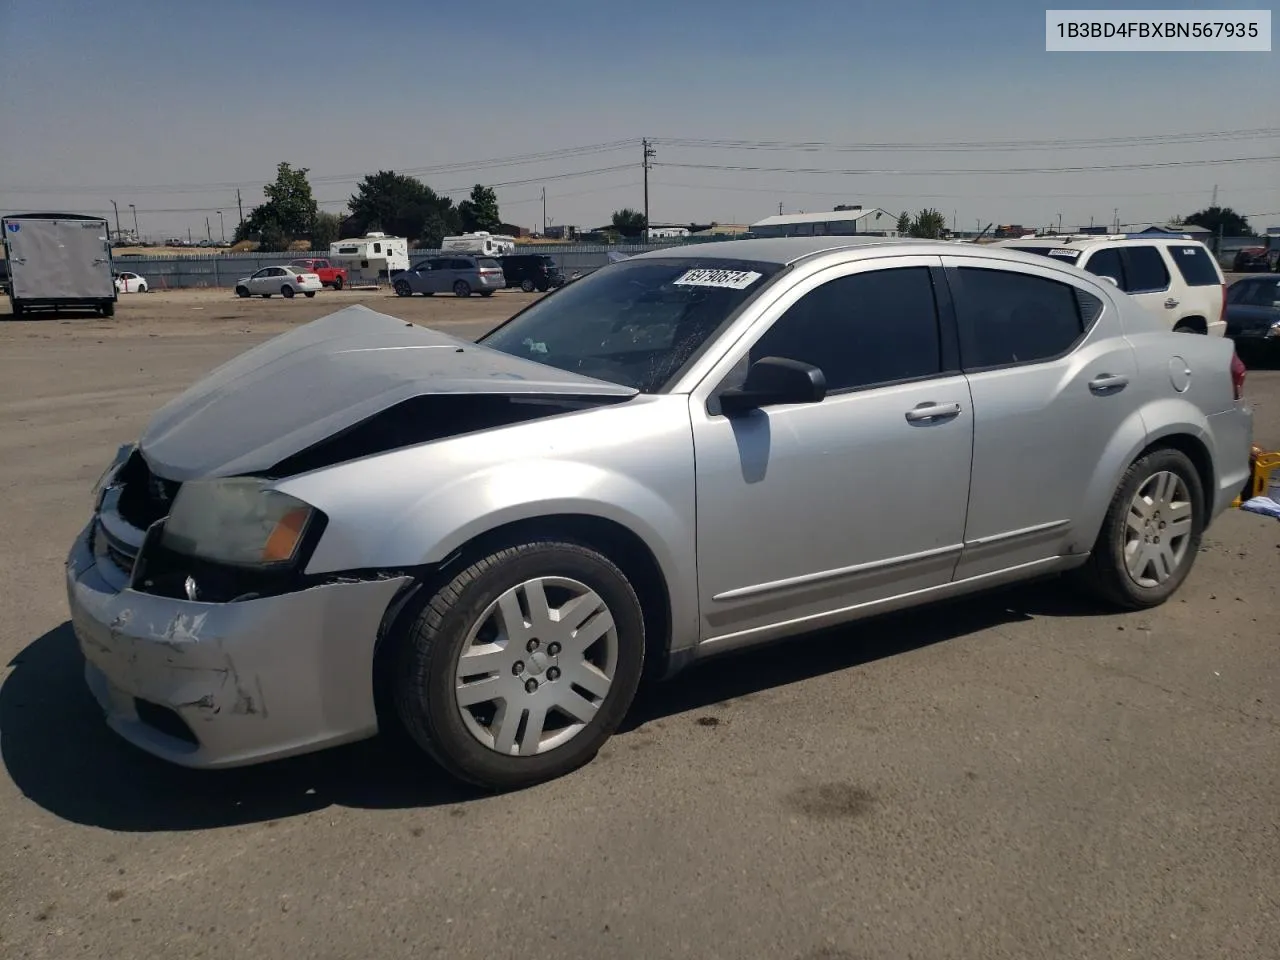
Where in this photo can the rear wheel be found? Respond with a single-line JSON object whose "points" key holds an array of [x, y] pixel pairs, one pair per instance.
{"points": [[486, 293], [520, 668], [108, 309], [309, 294], [242, 291], [337, 283], [286, 291], [1151, 534], [19, 309], [462, 289], [403, 289]]}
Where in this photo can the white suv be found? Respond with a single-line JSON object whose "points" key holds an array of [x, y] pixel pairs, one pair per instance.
{"points": [[1175, 278]]}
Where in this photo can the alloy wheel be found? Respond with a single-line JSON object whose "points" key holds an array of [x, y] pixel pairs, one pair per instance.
{"points": [[1158, 529]]}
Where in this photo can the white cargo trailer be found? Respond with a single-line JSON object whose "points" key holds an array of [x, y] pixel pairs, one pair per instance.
{"points": [[58, 260]]}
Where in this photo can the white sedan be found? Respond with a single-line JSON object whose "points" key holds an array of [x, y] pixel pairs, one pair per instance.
{"points": [[285, 281], [131, 283]]}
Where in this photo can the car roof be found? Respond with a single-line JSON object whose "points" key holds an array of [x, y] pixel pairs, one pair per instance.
{"points": [[1080, 242], [785, 251]]}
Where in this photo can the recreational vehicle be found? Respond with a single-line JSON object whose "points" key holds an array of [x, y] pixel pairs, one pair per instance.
{"points": [[489, 244], [370, 258]]}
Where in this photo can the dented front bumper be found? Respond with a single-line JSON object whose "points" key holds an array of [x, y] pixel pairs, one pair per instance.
{"points": [[228, 684]]}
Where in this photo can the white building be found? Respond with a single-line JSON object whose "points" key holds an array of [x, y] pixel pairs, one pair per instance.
{"points": [[370, 258], [668, 233], [836, 223]]}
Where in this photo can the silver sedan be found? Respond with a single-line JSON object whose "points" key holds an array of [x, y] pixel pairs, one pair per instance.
{"points": [[684, 453]]}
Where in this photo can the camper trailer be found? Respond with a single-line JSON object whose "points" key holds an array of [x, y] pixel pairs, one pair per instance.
{"points": [[372, 258], [483, 242]]}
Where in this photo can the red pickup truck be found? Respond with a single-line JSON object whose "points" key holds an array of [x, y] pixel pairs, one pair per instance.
{"points": [[330, 276]]}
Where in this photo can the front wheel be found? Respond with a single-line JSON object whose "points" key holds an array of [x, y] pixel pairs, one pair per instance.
{"points": [[462, 289], [402, 288], [522, 666], [526, 286], [109, 309], [242, 292], [1151, 534]]}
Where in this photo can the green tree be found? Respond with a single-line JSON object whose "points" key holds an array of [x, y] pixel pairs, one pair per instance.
{"points": [[629, 223], [480, 210], [439, 223], [326, 229], [1231, 223], [928, 224], [289, 210], [904, 223], [394, 203]]}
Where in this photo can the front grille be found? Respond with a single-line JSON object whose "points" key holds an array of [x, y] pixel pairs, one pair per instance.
{"points": [[144, 497]]}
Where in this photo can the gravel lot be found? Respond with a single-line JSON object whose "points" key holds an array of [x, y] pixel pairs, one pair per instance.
{"points": [[1010, 776]]}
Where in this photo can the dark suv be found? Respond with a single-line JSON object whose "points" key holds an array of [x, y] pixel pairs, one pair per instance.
{"points": [[532, 271]]}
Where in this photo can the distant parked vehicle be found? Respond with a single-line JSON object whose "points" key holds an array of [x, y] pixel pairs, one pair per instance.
{"points": [[490, 244], [532, 271], [461, 275], [131, 283], [286, 281], [1253, 312], [57, 261], [330, 276], [1251, 260]]}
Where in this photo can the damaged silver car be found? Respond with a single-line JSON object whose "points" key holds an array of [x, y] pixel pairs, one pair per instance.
{"points": [[365, 521]]}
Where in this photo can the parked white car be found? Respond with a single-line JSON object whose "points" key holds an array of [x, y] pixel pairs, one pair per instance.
{"points": [[286, 281], [1175, 278], [131, 283]]}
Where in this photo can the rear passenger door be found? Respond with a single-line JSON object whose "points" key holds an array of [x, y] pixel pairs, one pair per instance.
{"points": [[1048, 370], [1147, 280]]}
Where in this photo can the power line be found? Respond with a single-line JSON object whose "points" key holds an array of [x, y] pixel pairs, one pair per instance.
{"points": [[999, 171], [957, 196], [989, 146]]}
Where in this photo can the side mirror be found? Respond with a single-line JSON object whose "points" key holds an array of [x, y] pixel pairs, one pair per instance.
{"points": [[772, 381]]}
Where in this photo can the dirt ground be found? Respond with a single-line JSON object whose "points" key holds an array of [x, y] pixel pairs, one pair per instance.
{"points": [[1012, 776]]}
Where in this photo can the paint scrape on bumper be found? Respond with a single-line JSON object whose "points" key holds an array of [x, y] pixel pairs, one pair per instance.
{"points": [[219, 685]]}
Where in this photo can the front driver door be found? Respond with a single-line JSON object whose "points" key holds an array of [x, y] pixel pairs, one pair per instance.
{"points": [[807, 512]]}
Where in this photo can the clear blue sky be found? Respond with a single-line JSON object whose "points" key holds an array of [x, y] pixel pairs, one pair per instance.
{"points": [[170, 105]]}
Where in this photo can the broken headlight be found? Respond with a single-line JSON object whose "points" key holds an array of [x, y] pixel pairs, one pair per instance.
{"points": [[108, 475], [239, 521]]}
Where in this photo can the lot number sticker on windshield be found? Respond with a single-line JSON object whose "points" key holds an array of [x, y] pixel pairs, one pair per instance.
{"points": [[728, 279]]}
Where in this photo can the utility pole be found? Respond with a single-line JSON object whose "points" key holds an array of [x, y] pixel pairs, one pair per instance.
{"points": [[779, 208], [1214, 201], [222, 225], [137, 234], [117, 210], [544, 211], [240, 207], [1059, 223], [1115, 216], [649, 154], [208, 230]]}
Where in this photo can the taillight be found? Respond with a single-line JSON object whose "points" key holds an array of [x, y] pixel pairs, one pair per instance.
{"points": [[1223, 316], [1238, 371]]}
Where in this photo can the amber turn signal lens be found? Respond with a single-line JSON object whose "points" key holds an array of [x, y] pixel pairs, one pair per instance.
{"points": [[284, 539]]}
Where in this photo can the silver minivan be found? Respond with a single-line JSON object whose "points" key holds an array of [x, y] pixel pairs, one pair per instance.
{"points": [[461, 274]]}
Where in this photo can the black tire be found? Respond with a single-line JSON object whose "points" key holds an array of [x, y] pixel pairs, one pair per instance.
{"points": [[424, 692], [1105, 574], [309, 294], [242, 292], [337, 283], [402, 288], [543, 287], [526, 285], [462, 289], [108, 309], [286, 291], [266, 296], [19, 309], [486, 293]]}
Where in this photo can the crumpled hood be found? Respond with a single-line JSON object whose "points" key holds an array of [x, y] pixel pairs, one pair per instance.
{"points": [[285, 395]]}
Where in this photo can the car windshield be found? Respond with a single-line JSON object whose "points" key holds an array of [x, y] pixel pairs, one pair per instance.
{"points": [[637, 322]]}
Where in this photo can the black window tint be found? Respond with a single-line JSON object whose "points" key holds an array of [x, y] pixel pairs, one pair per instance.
{"points": [[1239, 293], [863, 329], [1145, 270], [1195, 265], [1106, 263], [461, 264], [1008, 317]]}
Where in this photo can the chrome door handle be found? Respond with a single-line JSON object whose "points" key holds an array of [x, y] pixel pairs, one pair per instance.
{"points": [[933, 411], [1171, 303], [1108, 383]]}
